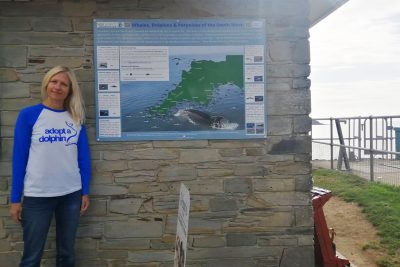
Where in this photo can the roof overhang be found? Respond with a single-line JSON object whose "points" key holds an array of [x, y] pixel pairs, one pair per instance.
{"points": [[320, 9]]}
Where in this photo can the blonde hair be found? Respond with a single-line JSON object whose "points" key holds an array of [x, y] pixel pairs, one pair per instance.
{"points": [[74, 102]]}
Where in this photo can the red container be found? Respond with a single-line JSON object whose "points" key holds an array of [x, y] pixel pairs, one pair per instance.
{"points": [[325, 251]]}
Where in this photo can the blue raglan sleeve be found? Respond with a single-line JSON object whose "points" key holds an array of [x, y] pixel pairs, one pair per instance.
{"points": [[84, 160], [22, 143]]}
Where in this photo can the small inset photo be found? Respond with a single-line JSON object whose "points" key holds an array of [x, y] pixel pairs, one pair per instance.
{"points": [[104, 113]]}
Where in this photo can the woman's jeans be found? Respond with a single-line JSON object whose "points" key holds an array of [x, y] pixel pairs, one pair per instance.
{"points": [[37, 213]]}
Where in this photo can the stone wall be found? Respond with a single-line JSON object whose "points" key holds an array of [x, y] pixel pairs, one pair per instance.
{"points": [[250, 199]]}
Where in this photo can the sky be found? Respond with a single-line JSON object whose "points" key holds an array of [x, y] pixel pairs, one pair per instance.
{"points": [[355, 60]]}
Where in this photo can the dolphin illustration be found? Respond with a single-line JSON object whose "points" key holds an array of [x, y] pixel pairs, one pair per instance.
{"points": [[70, 125]]}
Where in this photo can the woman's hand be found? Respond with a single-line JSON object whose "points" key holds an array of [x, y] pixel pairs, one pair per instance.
{"points": [[85, 203], [15, 212]]}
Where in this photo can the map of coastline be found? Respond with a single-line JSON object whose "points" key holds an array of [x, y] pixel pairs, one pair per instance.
{"points": [[205, 92], [199, 82]]}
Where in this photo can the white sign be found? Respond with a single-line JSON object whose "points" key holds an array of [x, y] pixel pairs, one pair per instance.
{"points": [[182, 227], [144, 63]]}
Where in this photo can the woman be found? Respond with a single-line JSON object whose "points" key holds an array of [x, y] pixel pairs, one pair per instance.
{"points": [[51, 168]]}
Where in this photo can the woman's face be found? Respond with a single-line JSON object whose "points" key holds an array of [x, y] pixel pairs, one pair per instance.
{"points": [[58, 87]]}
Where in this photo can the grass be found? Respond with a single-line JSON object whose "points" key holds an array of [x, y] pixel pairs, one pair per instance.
{"points": [[379, 202]]}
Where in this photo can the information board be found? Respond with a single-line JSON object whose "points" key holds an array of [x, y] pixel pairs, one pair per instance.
{"points": [[180, 79], [182, 227]]}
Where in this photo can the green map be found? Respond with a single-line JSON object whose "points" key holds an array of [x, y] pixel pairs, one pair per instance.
{"points": [[198, 84]]}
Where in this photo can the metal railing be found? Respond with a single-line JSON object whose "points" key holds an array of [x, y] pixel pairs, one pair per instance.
{"points": [[367, 148]]}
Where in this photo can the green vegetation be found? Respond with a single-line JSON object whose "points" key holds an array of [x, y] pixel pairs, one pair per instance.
{"points": [[199, 82], [379, 202]]}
